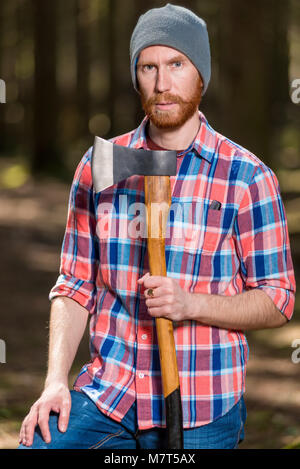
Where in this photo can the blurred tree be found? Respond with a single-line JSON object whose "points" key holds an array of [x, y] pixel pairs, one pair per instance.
{"points": [[140, 7], [24, 73], [2, 122], [113, 80], [84, 45], [83, 64], [46, 155], [278, 73], [253, 71], [121, 95], [278, 98]]}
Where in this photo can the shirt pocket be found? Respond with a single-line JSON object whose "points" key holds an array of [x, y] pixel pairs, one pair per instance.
{"points": [[212, 230], [185, 230]]}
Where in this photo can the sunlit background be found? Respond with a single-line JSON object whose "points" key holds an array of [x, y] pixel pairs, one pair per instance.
{"points": [[66, 70]]}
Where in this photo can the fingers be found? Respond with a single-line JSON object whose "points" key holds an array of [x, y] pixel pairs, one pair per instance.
{"points": [[142, 279], [163, 296], [36, 416], [160, 311], [154, 281], [64, 415], [27, 428], [150, 280], [39, 415], [43, 422], [156, 293], [159, 302]]}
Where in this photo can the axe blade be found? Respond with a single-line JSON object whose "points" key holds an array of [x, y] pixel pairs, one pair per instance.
{"points": [[111, 163]]}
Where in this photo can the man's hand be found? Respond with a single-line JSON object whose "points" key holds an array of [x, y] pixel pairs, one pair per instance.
{"points": [[250, 310], [55, 397], [165, 297]]}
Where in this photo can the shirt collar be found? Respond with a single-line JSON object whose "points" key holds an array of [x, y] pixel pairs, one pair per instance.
{"points": [[204, 144]]}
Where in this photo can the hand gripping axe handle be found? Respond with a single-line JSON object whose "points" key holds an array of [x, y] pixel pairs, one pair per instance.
{"points": [[111, 164]]}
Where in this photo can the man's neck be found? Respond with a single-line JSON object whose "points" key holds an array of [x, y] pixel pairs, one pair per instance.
{"points": [[176, 139]]}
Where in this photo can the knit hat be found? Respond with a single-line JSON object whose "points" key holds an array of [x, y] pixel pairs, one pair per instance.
{"points": [[176, 27]]}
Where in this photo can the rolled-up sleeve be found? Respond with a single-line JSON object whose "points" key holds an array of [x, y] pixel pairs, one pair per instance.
{"points": [[79, 259], [263, 241]]}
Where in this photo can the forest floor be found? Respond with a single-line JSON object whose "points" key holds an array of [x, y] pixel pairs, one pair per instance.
{"points": [[32, 221]]}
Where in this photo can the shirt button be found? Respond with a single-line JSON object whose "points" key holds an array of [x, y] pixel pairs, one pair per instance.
{"points": [[141, 375], [144, 336]]}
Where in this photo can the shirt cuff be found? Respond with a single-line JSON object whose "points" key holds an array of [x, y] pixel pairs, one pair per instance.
{"points": [[283, 299], [79, 290]]}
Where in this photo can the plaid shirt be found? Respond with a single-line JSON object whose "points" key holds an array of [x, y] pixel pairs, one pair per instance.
{"points": [[227, 233]]}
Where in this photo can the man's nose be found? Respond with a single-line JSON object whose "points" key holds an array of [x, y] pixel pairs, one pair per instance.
{"points": [[163, 80]]}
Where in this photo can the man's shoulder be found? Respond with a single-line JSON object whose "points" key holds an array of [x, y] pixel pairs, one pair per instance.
{"points": [[239, 156], [236, 151]]}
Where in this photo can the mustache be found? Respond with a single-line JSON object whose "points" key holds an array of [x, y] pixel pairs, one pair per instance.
{"points": [[163, 98]]}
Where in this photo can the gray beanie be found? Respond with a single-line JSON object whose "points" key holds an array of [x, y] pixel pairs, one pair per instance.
{"points": [[176, 27]]}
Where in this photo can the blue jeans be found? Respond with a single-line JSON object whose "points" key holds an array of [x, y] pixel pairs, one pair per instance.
{"points": [[89, 428]]}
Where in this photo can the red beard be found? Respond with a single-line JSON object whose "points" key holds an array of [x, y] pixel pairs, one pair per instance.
{"points": [[172, 119]]}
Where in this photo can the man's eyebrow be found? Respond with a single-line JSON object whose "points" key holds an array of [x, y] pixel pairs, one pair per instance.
{"points": [[177, 58], [145, 62]]}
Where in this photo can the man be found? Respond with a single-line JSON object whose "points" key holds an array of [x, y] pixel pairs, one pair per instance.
{"points": [[229, 269]]}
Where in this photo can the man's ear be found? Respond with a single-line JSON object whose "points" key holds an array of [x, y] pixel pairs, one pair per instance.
{"points": [[201, 79], [137, 84], [136, 75]]}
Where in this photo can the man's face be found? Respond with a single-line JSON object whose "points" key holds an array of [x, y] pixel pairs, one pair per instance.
{"points": [[170, 86]]}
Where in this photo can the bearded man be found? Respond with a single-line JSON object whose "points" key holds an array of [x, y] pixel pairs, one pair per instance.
{"points": [[228, 272]]}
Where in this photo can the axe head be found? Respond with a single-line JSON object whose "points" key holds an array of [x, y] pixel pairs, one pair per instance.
{"points": [[111, 163]]}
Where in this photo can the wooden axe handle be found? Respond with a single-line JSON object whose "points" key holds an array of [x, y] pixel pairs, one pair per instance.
{"points": [[158, 201]]}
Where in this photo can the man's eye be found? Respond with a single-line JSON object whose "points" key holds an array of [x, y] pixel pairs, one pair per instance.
{"points": [[177, 64], [148, 68]]}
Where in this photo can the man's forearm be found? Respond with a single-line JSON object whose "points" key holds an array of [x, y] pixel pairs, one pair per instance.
{"points": [[68, 321], [253, 309]]}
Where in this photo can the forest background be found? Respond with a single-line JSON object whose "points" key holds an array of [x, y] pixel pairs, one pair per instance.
{"points": [[64, 70]]}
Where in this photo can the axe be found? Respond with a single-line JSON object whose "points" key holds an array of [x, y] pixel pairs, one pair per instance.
{"points": [[111, 163]]}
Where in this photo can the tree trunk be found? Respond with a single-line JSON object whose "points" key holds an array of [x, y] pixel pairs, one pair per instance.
{"points": [[45, 103], [253, 79], [2, 121], [141, 6], [112, 63], [83, 66]]}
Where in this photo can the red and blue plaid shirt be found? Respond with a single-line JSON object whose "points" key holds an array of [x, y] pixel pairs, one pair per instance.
{"points": [[226, 234]]}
